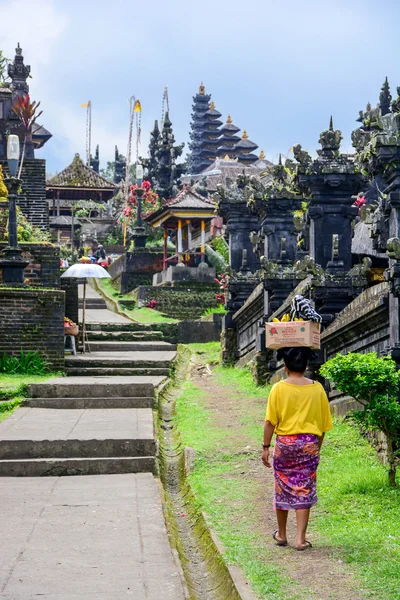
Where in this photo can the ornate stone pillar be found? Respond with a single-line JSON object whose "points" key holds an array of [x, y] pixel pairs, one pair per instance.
{"points": [[240, 222], [332, 180]]}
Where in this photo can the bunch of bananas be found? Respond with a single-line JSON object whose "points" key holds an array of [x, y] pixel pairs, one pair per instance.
{"points": [[285, 319]]}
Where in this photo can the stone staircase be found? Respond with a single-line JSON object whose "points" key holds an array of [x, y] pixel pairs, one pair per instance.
{"points": [[82, 426], [99, 419], [123, 349]]}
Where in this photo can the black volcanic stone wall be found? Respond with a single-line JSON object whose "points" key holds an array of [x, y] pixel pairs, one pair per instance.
{"points": [[44, 264], [136, 268], [32, 199], [70, 287], [33, 320]]}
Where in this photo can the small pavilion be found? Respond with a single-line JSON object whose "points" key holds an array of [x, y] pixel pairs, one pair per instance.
{"points": [[189, 215], [76, 182]]}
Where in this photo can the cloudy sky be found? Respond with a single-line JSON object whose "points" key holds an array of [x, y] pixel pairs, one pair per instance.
{"points": [[280, 68]]}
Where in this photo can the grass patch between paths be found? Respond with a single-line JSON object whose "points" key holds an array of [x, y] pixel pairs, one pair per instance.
{"points": [[14, 388], [141, 315], [357, 515]]}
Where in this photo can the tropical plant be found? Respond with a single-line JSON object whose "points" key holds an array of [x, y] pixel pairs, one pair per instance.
{"points": [[29, 363], [25, 230], [374, 383], [216, 259], [3, 188], [150, 202], [27, 113], [221, 245]]}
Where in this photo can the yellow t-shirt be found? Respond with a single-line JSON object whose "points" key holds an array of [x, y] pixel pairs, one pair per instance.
{"points": [[295, 409]]}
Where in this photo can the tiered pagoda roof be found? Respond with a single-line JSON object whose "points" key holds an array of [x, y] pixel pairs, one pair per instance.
{"points": [[211, 134], [200, 107], [228, 139], [243, 150]]}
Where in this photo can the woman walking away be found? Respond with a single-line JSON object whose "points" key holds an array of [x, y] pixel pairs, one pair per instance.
{"points": [[298, 413]]}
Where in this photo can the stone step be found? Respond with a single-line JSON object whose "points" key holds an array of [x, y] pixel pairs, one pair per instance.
{"points": [[116, 371], [134, 346], [93, 303], [56, 467], [96, 387], [76, 448], [133, 326], [124, 336], [136, 360], [56, 433], [82, 403]]}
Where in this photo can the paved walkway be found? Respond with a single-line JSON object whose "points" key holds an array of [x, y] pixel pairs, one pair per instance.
{"points": [[96, 536], [85, 538], [98, 315]]}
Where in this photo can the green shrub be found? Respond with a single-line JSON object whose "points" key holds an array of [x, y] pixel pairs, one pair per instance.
{"points": [[216, 259], [220, 309], [374, 383], [221, 245], [30, 363]]}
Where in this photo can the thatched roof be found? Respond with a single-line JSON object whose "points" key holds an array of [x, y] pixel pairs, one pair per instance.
{"points": [[79, 175]]}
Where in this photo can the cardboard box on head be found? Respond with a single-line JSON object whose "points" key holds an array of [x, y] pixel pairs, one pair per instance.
{"points": [[293, 334]]}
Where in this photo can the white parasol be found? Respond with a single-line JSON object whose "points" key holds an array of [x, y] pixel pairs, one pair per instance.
{"points": [[83, 271]]}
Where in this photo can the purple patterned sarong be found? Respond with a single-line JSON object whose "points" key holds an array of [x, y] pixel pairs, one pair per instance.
{"points": [[296, 459]]}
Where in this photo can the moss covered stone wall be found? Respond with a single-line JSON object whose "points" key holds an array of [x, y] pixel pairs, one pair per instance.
{"points": [[44, 264], [33, 320], [180, 302]]}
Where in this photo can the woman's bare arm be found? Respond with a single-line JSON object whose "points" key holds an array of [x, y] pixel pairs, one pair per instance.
{"points": [[268, 433]]}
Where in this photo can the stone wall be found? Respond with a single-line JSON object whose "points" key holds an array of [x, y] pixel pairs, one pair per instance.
{"points": [[32, 199], [33, 320], [44, 264], [180, 302], [70, 287], [136, 268], [363, 326], [247, 324]]}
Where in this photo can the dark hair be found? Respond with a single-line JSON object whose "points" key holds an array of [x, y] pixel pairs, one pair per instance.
{"points": [[296, 359]]}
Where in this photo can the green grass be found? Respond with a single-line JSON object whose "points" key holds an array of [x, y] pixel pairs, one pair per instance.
{"points": [[208, 353], [141, 315], [148, 315], [217, 310], [358, 513], [227, 499], [14, 388], [6, 408]]}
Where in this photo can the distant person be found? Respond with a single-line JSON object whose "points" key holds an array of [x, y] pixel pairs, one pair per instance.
{"points": [[298, 413], [100, 254], [95, 247]]}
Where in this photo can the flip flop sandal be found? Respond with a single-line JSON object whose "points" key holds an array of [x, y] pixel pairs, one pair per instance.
{"points": [[278, 543], [305, 547]]}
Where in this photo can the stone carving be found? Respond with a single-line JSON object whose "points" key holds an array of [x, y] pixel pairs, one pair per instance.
{"points": [[307, 266], [359, 273], [301, 155], [330, 140], [396, 102], [393, 248]]}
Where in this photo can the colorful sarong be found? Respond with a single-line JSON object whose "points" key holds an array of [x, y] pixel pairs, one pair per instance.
{"points": [[296, 459]]}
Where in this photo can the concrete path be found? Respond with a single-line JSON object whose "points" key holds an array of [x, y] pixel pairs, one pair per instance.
{"points": [[102, 315], [99, 537], [85, 424], [102, 535]]}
